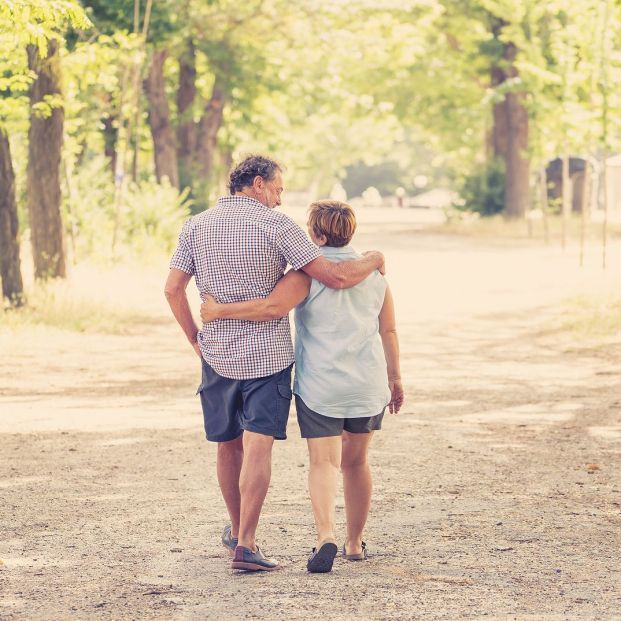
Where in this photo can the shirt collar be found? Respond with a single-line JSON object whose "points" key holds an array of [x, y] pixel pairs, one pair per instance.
{"points": [[237, 201], [331, 251]]}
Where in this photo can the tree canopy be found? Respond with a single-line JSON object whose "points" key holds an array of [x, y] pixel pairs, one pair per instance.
{"points": [[476, 95]]}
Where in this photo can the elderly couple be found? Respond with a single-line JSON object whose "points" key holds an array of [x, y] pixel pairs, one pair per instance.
{"points": [[346, 353]]}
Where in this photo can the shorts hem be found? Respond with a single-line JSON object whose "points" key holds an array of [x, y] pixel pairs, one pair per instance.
{"points": [[263, 432], [227, 438], [364, 431]]}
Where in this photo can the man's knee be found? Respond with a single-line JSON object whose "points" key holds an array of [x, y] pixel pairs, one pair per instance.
{"points": [[232, 448], [257, 441]]}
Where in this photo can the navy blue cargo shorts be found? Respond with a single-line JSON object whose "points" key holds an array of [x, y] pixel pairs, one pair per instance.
{"points": [[231, 406]]}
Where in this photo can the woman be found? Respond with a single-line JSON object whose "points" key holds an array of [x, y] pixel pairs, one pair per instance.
{"points": [[343, 379]]}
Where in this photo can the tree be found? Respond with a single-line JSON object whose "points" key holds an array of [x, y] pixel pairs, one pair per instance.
{"points": [[45, 138], [33, 23], [10, 268], [164, 140], [186, 93]]}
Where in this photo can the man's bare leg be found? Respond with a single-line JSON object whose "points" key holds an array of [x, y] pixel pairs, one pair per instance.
{"points": [[325, 458], [228, 466], [254, 481], [357, 486]]}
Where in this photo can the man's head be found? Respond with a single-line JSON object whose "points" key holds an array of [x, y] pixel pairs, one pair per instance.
{"points": [[331, 223], [258, 177]]}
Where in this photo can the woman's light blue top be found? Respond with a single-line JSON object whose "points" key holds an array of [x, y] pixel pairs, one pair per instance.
{"points": [[339, 358]]}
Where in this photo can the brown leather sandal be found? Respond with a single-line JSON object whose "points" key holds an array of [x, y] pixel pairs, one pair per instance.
{"points": [[360, 556]]}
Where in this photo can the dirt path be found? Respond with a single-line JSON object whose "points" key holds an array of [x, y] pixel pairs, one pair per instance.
{"points": [[484, 505]]}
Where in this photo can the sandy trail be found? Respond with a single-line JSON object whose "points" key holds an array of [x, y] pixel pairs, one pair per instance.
{"points": [[484, 505]]}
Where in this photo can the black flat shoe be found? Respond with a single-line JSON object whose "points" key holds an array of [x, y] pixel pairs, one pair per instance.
{"points": [[320, 561]]}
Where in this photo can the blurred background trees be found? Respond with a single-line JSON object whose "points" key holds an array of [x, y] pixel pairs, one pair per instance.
{"points": [[118, 118]]}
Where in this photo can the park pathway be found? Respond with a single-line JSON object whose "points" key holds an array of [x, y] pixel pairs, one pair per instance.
{"points": [[497, 489]]}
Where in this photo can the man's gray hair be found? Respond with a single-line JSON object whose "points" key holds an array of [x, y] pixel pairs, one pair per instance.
{"points": [[250, 167]]}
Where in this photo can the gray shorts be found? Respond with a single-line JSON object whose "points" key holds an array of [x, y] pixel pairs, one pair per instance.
{"points": [[314, 425], [231, 406]]}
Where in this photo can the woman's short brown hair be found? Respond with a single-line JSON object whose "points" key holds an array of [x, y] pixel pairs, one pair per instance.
{"points": [[334, 219]]}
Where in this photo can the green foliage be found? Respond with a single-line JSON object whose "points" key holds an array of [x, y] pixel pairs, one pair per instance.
{"points": [[112, 16], [153, 215], [327, 87], [149, 217], [483, 191], [23, 23], [37, 21]]}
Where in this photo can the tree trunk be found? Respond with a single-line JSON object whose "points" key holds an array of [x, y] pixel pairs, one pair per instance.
{"points": [[208, 130], [510, 137], [164, 147], [543, 198], [226, 159], [517, 190], [500, 128], [45, 137], [111, 134], [186, 130], [585, 210], [566, 196], [10, 270]]}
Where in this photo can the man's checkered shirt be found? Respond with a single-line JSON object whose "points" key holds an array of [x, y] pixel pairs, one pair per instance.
{"points": [[237, 251]]}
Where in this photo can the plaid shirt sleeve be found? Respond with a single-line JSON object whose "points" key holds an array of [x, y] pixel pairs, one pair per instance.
{"points": [[182, 258], [295, 246]]}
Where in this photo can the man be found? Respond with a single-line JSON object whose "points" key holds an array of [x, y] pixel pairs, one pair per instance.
{"points": [[237, 251]]}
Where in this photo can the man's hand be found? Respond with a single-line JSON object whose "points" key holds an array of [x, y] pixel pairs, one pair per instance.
{"points": [[209, 309], [381, 266], [396, 395], [197, 349]]}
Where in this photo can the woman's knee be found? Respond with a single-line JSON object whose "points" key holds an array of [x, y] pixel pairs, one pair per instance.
{"points": [[324, 453], [354, 451]]}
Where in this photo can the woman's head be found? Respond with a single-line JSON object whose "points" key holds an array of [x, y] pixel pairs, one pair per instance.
{"points": [[331, 223]]}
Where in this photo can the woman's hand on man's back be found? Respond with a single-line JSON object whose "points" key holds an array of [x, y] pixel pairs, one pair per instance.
{"points": [[209, 309]]}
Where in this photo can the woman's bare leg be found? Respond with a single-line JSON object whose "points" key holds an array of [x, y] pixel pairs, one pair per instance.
{"points": [[325, 458], [357, 487]]}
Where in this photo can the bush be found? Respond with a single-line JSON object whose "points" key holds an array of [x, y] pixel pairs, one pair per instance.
{"points": [[149, 216], [153, 215], [484, 192]]}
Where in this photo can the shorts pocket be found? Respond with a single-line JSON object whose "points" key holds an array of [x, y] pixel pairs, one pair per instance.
{"points": [[285, 391], [200, 389], [283, 405]]}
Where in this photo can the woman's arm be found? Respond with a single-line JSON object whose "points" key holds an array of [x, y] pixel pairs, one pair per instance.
{"points": [[390, 342], [290, 290]]}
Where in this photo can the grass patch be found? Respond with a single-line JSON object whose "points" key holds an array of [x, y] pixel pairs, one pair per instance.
{"points": [[95, 299], [498, 227], [593, 317], [54, 305]]}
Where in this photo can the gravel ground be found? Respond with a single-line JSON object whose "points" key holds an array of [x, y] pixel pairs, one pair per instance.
{"points": [[497, 489]]}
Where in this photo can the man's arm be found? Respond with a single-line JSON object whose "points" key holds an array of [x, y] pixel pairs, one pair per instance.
{"points": [[175, 292], [347, 273], [290, 290], [390, 343]]}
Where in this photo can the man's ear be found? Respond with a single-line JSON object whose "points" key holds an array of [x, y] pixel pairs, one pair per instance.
{"points": [[257, 182]]}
